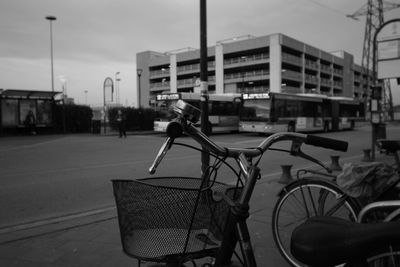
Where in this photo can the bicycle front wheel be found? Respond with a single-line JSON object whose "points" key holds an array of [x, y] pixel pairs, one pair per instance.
{"points": [[389, 257], [303, 199]]}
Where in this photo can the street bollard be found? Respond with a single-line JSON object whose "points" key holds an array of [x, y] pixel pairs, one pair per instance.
{"points": [[367, 155], [286, 177], [335, 163]]}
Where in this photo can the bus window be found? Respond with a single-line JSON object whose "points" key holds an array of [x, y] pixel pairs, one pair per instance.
{"points": [[255, 109], [279, 108], [291, 109], [311, 109], [221, 108]]}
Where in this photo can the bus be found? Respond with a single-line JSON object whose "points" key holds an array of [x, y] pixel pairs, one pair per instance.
{"points": [[345, 113], [223, 110], [279, 112]]}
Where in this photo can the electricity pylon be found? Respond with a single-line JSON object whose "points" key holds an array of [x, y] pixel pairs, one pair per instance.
{"points": [[374, 10]]}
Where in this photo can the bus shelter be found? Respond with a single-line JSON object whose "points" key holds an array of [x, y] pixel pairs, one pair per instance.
{"points": [[16, 104]]}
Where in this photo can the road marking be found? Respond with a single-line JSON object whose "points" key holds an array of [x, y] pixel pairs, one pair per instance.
{"points": [[95, 166], [43, 222]]}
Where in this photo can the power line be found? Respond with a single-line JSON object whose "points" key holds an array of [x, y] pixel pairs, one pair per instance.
{"points": [[326, 7]]}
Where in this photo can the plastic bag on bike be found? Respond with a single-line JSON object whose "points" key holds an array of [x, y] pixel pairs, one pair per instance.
{"points": [[366, 180]]}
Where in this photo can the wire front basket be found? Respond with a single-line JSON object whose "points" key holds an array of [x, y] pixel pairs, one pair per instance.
{"points": [[168, 219]]}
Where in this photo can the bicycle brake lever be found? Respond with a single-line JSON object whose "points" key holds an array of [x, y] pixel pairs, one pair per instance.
{"points": [[316, 161], [295, 150], [163, 151]]}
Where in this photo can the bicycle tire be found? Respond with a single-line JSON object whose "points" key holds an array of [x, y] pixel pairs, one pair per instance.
{"points": [[303, 199], [385, 257]]}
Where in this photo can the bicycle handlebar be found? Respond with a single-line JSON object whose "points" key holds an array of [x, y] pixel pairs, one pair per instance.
{"points": [[326, 143], [182, 125]]}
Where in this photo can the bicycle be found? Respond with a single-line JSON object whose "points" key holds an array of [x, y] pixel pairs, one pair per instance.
{"points": [[218, 228], [309, 197], [351, 243]]}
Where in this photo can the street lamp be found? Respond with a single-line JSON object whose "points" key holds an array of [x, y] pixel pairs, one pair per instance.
{"points": [[139, 73], [86, 91], [117, 79], [51, 18]]}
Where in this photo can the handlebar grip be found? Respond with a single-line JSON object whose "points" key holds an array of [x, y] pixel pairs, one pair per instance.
{"points": [[174, 129], [326, 143]]}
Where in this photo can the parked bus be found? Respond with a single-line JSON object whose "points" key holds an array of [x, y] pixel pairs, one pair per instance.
{"points": [[345, 112], [276, 112], [223, 110]]}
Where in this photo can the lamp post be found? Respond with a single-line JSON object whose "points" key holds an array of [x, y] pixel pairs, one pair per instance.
{"points": [[117, 79], [139, 73], [108, 84], [51, 19], [86, 91]]}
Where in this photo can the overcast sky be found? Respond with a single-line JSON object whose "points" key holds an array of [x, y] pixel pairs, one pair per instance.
{"points": [[94, 39]]}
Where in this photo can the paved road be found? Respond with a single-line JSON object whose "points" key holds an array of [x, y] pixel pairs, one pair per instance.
{"points": [[51, 176]]}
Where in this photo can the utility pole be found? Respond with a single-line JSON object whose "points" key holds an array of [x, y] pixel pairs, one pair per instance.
{"points": [[373, 10], [373, 93], [205, 158]]}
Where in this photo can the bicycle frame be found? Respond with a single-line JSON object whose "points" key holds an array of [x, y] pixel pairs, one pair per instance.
{"points": [[237, 227], [236, 230], [380, 205]]}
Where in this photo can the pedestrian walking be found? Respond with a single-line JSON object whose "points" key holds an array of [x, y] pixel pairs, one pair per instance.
{"points": [[121, 120], [30, 121]]}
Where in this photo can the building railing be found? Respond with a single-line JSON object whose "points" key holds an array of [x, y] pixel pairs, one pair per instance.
{"points": [[291, 58], [291, 74], [242, 75], [161, 72], [326, 68], [254, 89], [192, 82], [312, 64], [338, 71], [159, 84], [338, 84], [325, 81], [311, 78], [249, 58]]}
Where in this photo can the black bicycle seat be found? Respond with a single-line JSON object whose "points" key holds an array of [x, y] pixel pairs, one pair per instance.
{"points": [[329, 241], [388, 145]]}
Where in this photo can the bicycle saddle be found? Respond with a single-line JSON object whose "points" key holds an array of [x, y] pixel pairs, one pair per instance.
{"points": [[329, 241], [389, 145]]}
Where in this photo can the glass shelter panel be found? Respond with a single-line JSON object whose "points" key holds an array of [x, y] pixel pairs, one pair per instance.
{"points": [[9, 112]]}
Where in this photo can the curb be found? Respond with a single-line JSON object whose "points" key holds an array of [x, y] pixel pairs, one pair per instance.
{"points": [[52, 225]]}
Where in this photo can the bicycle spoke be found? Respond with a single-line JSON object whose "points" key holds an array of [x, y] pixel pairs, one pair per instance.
{"points": [[311, 199], [306, 199], [336, 207]]}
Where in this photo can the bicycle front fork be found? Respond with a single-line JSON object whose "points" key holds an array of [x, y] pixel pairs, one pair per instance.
{"points": [[236, 229]]}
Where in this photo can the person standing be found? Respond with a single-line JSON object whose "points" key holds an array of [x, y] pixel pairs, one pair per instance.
{"points": [[30, 121], [121, 124]]}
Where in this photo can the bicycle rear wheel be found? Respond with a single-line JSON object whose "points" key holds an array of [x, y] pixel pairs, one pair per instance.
{"points": [[303, 199]]}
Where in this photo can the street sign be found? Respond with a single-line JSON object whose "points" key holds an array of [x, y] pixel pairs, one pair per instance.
{"points": [[388, 50]]}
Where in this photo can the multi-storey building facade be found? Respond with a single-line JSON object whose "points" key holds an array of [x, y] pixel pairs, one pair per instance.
{"points": [[272, 63]]}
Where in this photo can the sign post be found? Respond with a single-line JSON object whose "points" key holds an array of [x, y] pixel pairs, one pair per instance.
{"points": [[386, 65]]}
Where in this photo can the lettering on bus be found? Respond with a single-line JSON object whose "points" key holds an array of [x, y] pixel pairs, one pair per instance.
{"points": [[256, 96], [168, 97]]}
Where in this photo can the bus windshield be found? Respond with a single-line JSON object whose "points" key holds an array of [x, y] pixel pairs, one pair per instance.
{"points": [[256, 110]]}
